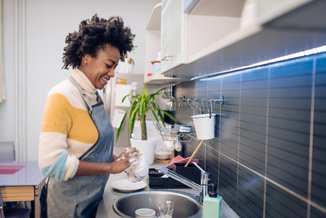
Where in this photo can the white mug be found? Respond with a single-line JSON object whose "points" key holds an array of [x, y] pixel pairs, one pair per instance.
{"points": [[145, 213]]}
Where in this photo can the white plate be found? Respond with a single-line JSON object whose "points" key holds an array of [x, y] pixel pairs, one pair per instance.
{"points": [[124, 185]]}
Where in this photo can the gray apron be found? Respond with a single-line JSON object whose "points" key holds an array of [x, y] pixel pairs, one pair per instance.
{"points": [[80, 195]]}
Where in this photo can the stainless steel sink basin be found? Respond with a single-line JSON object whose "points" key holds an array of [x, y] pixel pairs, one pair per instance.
{"points": [[184, 204]]}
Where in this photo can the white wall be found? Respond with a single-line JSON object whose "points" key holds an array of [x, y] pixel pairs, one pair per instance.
{"points": [[37, 55], [7, 119]]}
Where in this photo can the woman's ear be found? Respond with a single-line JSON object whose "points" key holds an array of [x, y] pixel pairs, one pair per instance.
{"points": [[85, 59]]}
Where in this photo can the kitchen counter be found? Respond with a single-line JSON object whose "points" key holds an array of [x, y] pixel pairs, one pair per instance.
{"points": [[105, 208]]}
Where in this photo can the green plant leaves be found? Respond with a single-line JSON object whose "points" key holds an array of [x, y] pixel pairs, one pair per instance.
{"points": [[140, 105]]}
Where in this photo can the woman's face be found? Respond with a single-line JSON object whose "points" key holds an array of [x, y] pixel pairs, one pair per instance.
{"points": [[100, 69]]}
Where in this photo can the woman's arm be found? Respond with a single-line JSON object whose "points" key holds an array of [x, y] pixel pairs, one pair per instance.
{"points": [[93, 168], [119, 164], [114, 157]]}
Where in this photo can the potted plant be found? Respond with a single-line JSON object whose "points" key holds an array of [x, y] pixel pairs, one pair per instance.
{"points": [[140, 105]]}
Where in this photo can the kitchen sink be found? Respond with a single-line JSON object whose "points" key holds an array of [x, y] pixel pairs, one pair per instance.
{"points": [[185, 204]]}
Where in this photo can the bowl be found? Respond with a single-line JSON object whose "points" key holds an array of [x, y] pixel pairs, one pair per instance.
{"points": [[162, 155], [185, 205]]}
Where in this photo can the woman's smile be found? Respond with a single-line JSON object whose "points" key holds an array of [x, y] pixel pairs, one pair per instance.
{"points": [[101, 68], [104, 79]]}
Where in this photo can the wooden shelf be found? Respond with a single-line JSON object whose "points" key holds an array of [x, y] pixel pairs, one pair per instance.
{"points": [[160, 79]]}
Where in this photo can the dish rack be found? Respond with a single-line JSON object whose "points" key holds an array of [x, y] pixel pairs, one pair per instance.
{"points": [[157, 180], [183, 133]]}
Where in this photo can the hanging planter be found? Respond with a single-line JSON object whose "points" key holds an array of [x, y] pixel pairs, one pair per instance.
{"points": [[204, 125]]}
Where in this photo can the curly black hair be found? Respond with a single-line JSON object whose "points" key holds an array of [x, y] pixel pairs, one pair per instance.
{"points": [[92, 35]]}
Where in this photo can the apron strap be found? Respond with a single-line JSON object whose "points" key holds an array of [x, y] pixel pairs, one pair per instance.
{"points": [[83, 94]]}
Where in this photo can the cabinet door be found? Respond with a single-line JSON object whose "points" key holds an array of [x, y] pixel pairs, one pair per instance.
{"points": [[271, 9], [172, 34]]}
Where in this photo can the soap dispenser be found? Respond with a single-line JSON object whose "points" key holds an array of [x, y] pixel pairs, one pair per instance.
{"points": [[212, 204]]}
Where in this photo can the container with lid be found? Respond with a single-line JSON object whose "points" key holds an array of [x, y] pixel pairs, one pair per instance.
{"points": [[145, 213]]}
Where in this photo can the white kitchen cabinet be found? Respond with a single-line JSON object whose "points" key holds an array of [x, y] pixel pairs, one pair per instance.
{"points": [[173, 34], [153, 37], [271, 9], [188, 26], [283, 27], [153, 48], [209, 21]]}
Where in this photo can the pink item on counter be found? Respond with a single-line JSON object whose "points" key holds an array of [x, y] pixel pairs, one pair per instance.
{"points": [[179, 159], [10, 169]]}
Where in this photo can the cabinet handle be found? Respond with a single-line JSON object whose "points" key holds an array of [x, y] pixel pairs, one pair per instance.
{"points": [[167, 58]]}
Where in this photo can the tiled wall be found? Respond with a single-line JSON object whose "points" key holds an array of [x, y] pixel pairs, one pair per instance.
{"points": [[269, 156]]}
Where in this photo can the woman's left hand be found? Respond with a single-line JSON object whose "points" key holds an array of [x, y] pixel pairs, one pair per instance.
{"points": [[119, 165], [129, 153]]}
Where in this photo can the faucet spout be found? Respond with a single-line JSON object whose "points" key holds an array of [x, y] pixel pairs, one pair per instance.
{"points": [[181, 179], [201, 189]]}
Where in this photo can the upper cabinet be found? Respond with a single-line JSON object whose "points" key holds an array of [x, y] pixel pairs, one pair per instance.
{"points": [[220, 36], [188, 26], [152, 43], [209, 21], [225, 35], [156, 40], [173, 34], [153, 37], [271, 9]]}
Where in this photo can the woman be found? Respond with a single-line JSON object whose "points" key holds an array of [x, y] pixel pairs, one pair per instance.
{"points": [[76, 140]]}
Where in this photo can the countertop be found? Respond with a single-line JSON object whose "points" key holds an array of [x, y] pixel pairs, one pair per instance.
{"points": [[105, 208]]}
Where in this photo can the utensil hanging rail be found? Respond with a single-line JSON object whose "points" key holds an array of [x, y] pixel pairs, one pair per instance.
{"points": [[202, 101]]}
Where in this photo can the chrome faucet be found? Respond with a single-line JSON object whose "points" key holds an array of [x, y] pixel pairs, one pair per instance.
{"points": [[202, 188]]}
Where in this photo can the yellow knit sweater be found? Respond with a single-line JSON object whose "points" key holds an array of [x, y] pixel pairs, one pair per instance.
{"points": [[67, 130]]}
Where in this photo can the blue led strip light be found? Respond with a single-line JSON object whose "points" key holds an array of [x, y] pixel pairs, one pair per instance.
{"points": [[308, 52]]}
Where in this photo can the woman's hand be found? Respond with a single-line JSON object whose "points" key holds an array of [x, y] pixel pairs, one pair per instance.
{"points": [[119, 165], [124, 160], [129, 153]]}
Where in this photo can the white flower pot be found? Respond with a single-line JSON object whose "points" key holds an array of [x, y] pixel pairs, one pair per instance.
{"points": [[204, 126], [145, 147]]}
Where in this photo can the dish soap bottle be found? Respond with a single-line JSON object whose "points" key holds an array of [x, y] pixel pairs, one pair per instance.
{"points": [[212, 204]]}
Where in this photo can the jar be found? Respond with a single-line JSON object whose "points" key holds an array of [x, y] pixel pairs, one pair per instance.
{"points": [[138, 169]]}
